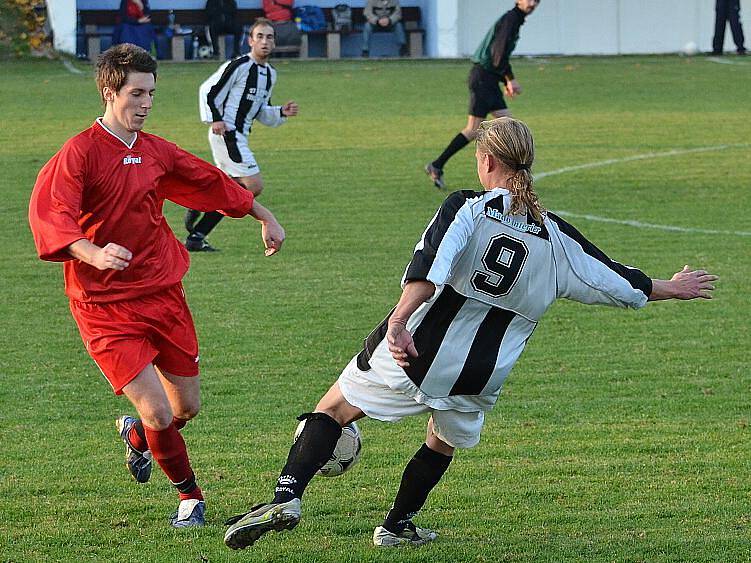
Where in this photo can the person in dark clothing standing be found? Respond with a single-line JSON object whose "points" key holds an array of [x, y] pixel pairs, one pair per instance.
{"points": [[491, 67], [222, 17], [728, 11]]}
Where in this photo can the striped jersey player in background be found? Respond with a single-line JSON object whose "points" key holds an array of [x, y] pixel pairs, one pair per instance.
{"points": [[230, 100], [487, 267]]}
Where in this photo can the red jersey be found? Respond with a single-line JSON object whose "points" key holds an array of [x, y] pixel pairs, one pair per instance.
{"points": [[98, 188], [278, 10]]}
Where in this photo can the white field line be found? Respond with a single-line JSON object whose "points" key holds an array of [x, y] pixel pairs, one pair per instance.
{"points": [[646, 156], [721, 61], [72, 69]]}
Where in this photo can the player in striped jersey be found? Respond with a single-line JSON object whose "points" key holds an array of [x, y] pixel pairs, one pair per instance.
{"points": [[230, 100], [482, 275]]}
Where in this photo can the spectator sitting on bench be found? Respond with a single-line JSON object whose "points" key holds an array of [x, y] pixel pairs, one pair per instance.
{"points": [[383, 15], [135, 24], [222, 17]]}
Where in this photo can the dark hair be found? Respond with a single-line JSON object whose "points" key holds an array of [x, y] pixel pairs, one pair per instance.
{"points": [[258, 23], [114, 65]]}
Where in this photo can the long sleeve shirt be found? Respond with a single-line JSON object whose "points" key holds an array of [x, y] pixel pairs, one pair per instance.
{"points": [[495, 275], [99, 188], [495, 50]]}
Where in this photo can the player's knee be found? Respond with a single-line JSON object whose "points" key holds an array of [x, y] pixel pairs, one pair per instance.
{"points": [[253, 184], [157, 419], [470, 134], [189, 410]]}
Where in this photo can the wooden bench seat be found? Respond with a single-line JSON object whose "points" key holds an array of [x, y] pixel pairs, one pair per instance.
{"points": [[96, 24]]}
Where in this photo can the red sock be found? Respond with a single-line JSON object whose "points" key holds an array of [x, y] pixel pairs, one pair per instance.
{"points": [[168, 448], [137, 437]]}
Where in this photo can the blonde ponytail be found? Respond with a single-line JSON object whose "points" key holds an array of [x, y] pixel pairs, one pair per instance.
{"points": [[510, 141]]}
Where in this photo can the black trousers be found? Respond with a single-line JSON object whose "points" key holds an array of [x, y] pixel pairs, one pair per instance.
{"points": [[220, 25], [727, 11]]}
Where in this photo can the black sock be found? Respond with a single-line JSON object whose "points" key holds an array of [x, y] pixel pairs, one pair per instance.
{"points": [[456, 144], [309, 453], [422, 473], [209, 220]]}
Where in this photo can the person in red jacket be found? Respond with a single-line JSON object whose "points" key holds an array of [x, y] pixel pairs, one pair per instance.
{"points": [[97, 207], [279, 10]]}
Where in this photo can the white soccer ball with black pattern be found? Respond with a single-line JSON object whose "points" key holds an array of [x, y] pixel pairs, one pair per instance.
{"points": [[346, 453]]}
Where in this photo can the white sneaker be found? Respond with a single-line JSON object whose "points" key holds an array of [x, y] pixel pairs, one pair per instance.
{"points": [[190, 513], [410, 535], [246, 528]]}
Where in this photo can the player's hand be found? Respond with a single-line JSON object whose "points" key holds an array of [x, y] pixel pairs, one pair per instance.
{"points": [[512, 88], [218, 128], [112, 257], [400, 344], [692, 284], [384, 22], [290, 109], [273, 236]]}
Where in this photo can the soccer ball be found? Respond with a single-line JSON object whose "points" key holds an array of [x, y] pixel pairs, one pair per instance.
{"points": [[346, 453], [690, 49], [204, 52]]}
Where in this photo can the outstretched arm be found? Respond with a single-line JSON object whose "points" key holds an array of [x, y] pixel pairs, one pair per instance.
{"points": [[399, 339], [686, 284]]}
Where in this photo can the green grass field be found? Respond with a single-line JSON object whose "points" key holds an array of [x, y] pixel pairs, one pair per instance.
{"points": [[620, 436]]}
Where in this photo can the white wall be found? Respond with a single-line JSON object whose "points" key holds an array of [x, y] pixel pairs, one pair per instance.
{"points": [[454, 28], [586, 27], [62, 18]]}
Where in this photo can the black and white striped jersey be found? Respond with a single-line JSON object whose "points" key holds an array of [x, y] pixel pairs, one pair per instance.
{"points": [[238, 93], [495, 275]]}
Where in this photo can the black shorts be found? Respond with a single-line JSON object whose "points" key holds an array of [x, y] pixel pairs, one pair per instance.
{"points": [[484, 92]]}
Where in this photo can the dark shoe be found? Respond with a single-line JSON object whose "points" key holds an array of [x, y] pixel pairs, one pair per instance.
{"points": [[365, 54], [190, 514], [403, 51], [436, 174], [138, 463], [245, 529], [742, 52], [199, 245], [191, 216]]}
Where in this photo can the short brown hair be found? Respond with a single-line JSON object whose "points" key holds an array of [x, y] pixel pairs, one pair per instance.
{"points": [[258, 23], [114, 65]]}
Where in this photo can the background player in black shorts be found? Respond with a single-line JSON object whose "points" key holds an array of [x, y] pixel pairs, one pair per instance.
{"points": [[491, 67]]}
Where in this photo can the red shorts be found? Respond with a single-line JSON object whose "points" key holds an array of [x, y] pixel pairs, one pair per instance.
{"points": [[124, 337]]}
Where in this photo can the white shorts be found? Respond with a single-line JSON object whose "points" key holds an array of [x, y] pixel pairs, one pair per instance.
{"points": [[232, 154], [367, 391]]}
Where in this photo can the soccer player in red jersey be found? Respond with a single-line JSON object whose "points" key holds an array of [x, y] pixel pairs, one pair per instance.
{"points": [[97, 207]]}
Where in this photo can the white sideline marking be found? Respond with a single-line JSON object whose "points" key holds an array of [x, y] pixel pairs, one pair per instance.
{"points": [[640, 224], [69, 65], [725, 61], [644, 156]]}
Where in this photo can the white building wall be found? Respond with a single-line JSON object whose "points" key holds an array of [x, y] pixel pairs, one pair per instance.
{"points": [[607, 27], [454, 28], [62, 18]]}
